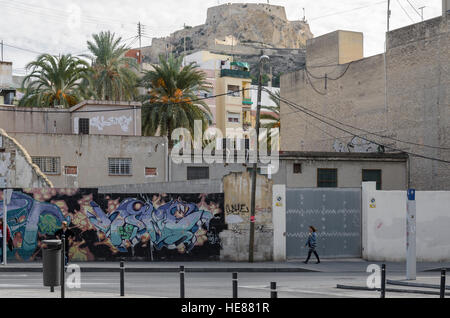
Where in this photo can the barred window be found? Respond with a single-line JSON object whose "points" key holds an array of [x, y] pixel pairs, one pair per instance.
{"points": [[119, 166], [48, 165], [83, 126], [327, 178], [197, 173]]}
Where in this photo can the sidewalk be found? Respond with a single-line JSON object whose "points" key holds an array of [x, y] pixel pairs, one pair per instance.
{"points": [[327, 266]]}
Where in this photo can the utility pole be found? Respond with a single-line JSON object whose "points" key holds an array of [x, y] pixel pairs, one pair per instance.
{"points": [[140, 31], [388, 14], [2, 50], [262, 59]]}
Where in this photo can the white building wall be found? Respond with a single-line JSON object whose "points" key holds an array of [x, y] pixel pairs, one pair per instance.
{"points": [[384, 225]]}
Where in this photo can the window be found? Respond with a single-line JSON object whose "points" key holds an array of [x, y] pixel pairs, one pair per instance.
{"points": [[327, 178], [297, 168], [234, 117], [48, 165], [1, 142], [83, 126], [151, 172], [71, 170], [196, 173], [372, 175], [119, 166], [234, 90]]}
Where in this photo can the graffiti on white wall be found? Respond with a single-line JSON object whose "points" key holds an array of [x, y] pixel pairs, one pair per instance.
{"points": [[100, 122]]}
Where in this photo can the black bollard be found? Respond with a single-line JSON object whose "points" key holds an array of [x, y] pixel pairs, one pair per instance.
{"points": [[273, 290], [63, 266], [235, 285], [122, 278], [443, 273], [383, 281], [181, 281], [52, 289]]}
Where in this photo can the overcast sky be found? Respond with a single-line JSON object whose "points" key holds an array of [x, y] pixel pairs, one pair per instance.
{"points": [[55, 26]]}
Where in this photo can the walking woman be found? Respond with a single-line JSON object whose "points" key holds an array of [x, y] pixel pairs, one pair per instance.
{"points": [[312, 243]]}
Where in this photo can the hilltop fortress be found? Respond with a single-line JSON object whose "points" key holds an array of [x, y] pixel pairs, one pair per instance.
{"points": [[242, 30]]}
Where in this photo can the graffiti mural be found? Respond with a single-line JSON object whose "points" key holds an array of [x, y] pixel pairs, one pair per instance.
{"points": [[112, 226]]}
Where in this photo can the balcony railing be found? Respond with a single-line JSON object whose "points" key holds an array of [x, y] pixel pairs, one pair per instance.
{"points": [[247, 101], [234, 73]]}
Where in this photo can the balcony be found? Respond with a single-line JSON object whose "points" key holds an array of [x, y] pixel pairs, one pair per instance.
{"points": [[234, 73], [247, 101]]}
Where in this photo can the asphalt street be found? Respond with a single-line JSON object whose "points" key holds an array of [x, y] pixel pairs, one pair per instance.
{"points": [[205, 285]]}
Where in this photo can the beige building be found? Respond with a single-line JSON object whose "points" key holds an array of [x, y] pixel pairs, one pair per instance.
{"points": [[80, 161], [402, 94], [94, 143]]}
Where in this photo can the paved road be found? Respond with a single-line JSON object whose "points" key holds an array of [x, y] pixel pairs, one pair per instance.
{"points": [[204, 285]]}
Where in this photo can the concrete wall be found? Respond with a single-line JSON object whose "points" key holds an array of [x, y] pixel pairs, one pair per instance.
{"points": [[384, 225], [279, 222], [235, 240], [417, 108], [113, 118], [393, 173], [90, 154], [35, 120], [16, 167]]}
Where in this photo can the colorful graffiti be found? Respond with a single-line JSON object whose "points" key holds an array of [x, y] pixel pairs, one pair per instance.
{"points": [[111, 226]]}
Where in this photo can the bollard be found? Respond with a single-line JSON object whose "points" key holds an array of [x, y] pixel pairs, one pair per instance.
{"points": [[235, 285], [181, 281], [63, 266], [443, 273], [383, 281], [52, 289], [122, 278], [273, 290]]}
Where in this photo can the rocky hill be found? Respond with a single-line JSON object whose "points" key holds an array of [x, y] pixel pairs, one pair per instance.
{"points": [[242, 30]]}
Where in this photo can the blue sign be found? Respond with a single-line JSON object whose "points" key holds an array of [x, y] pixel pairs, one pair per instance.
{"points": [[411, 194]]}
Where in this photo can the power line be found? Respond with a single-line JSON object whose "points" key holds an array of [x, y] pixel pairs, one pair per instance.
{"points": [[350, 10], [406, 12], [414, 8], [295, 106], [363, 130], [115, 110]]}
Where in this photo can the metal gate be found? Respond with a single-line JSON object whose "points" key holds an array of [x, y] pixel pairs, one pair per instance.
{"points": [[336, 214]]}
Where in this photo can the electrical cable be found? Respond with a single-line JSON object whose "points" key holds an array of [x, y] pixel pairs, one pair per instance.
{"points": [[360, 129], [293, 105]]}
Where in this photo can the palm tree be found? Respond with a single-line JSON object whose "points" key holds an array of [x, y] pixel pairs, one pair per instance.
{"points": [[271, 117], [173, 101], [113, 74], [54, 80]]}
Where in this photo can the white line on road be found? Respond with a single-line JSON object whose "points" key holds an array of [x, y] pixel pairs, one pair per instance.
{"points": [[301, 291]]}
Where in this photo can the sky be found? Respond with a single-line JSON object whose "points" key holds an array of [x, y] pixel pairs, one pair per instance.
{"points": [[31, 27]]}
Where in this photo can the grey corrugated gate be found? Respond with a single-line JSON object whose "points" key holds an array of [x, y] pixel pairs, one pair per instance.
{"points": [[336, 213]]}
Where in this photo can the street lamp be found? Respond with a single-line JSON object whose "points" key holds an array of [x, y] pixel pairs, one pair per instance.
{"points": [[263, 59]]}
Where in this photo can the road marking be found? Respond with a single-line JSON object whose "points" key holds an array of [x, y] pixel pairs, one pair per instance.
{"points": [[302, 291], [13, 275]]}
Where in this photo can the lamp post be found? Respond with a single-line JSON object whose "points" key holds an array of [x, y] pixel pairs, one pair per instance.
{"points": [[262, 59]]}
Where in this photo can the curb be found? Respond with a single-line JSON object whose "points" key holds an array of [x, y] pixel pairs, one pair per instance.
{"points": [[167, 270]]}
